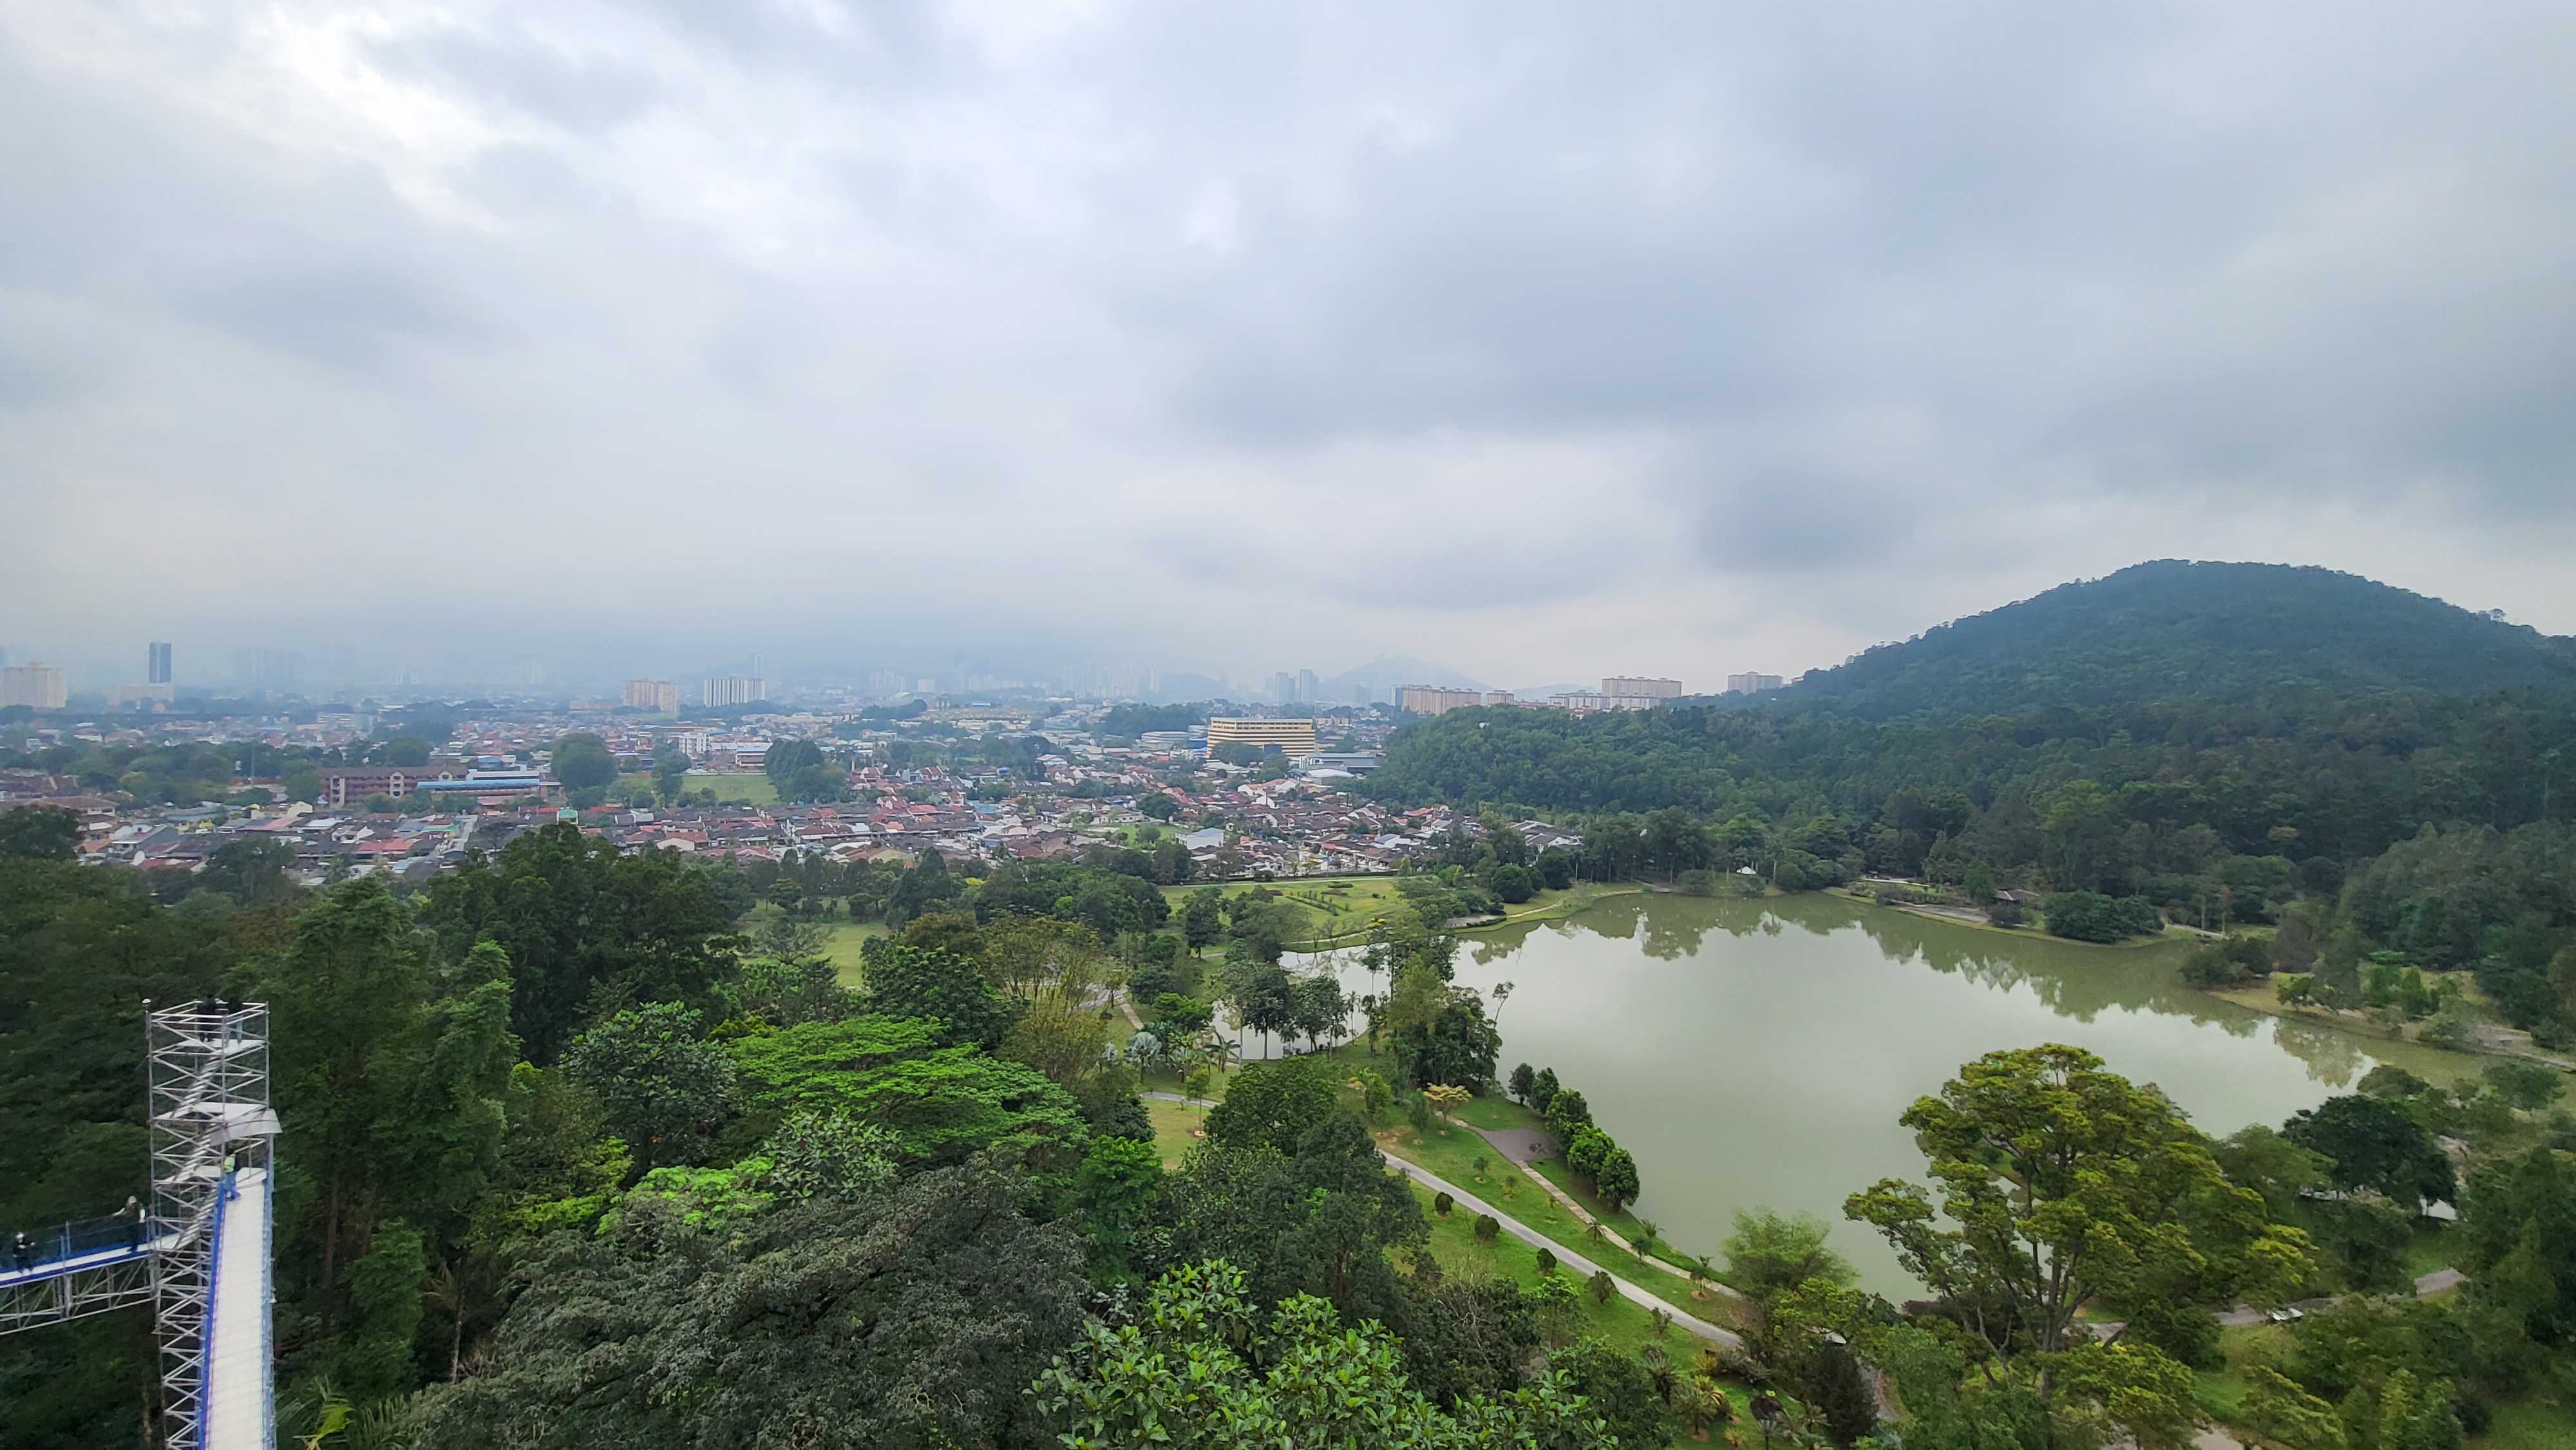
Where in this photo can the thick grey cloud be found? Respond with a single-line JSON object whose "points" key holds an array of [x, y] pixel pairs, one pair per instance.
{"points": [[1547, 342]]}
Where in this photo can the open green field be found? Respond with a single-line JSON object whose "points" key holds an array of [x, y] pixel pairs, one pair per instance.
{"points": [[842, 948], [1622, 1323], [2528, 1425], [1451, 1151], [1176, 1128], [744, 790]]}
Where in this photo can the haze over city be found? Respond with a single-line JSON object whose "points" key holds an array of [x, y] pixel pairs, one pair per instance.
{"points": [[572, 341]]}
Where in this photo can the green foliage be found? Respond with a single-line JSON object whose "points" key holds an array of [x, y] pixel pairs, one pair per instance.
{"points": [[664, 1088], [581, 761], [1833, 1388], [942, 1104], [1114, 1198], [1616, 1387], [1457, 1045], [2091, 916], [2133, 1386], [1950, 1409], [2172, 629], [2367, 1143], [909, 1319], [2521, 1230], [2063, 1182], [384, 1312], [2276, 1408], [924, 885], [1768, 1255], [1274, 1104], [392, 1094], [907, 981], [40, 833], [1616, 1180], [582, 922], [1193, 1371], [2223, 963]]}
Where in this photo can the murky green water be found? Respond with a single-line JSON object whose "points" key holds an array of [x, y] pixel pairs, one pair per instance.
{"points": [[1758, 1052]]}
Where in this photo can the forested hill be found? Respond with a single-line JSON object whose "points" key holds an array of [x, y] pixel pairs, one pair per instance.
{"points": [[2178, 630]]}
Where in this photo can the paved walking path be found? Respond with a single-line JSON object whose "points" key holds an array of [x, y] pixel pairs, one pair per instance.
{"points": [[1535, 1239], [1564, 1255], [1525, 1146]]}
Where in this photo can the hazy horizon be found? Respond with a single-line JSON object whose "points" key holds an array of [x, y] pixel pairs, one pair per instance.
{"points": [[588, 341]]}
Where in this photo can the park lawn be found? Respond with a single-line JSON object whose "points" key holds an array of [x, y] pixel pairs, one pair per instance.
{"points": [[733, 790], [843, 943], [1451, 1151], [1621, 1323], [2528, 1425], [2220, 1391], [1502, 1112], [1175, 1129], [2432, 1249]]}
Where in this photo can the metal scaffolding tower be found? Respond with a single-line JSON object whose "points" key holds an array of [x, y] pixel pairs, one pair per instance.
{"points": [[212, 1130]]}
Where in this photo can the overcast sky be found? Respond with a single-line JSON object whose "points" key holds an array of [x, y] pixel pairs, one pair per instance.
{"points": [[1541, 341]]}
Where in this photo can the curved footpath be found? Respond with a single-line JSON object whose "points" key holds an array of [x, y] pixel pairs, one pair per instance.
{"points": [[1535, 1239]]}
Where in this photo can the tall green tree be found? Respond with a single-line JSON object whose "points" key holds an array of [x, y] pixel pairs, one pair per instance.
{"points": [[2373, 1144], [2061, 1183], [587, 930], [581, 761]]}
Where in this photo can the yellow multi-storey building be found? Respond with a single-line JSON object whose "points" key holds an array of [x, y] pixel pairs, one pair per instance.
{"points": [[1293, 737]]}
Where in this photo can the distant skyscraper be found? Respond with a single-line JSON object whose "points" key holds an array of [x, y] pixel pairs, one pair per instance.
{"points": [[276, 668], [1632, 687], [39, 685], [659, 696], [156, 670], [1752, 684], [1436, 699], [723, 690], [1309, 689]]}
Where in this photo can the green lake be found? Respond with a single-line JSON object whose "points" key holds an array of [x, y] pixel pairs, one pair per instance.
{"points": [[1755, 1053]]}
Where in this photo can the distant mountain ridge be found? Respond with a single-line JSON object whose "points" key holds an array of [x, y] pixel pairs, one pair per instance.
{"points": [[2179, 629]]}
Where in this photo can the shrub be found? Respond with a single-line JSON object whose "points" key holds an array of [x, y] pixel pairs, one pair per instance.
{"points": [[1441, 1203], [2224, 963], [1487, 1226], [1601, 1286], [2091, 916], [1546, 1261]]}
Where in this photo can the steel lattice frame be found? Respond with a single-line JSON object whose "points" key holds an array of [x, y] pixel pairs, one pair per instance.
{"points": [[208, 1063], [76, 1293]]}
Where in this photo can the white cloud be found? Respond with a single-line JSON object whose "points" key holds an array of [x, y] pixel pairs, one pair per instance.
{"points": [[1542, 341]]}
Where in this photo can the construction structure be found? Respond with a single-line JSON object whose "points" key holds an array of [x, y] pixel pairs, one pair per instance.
{"points": [[200, 1251]]}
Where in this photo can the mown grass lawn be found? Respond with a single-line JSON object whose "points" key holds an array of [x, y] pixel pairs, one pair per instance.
{"points": [[734, 790], [1621, 1322], [1451, 1150], [1176, 1129], [842, 938], [2528, 1425]]}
